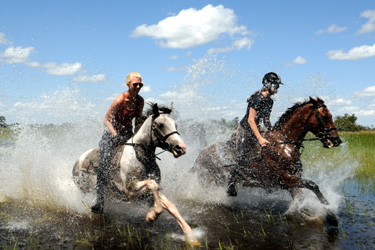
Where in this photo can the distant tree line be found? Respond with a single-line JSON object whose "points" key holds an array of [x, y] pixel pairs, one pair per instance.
{"points": [[343, 123], [348, 123], [2, 122]]}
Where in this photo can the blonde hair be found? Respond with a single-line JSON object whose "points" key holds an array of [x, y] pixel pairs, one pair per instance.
{"points": [[132, 74]]}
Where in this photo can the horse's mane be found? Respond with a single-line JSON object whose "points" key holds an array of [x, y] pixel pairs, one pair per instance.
{"points": [[162, 109], [288, 113], [149, 112]]}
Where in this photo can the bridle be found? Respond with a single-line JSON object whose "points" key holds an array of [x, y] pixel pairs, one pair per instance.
{"points": [[161, 141], [322, 134]]}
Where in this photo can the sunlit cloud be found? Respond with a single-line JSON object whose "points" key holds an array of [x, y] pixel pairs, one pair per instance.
{"points": [[239, 44], [365, 93], [299, 60], [16, 54], [3, 39], [173, 57], [178, 68], [146, 89], [357, 53], [63, 68], [94, 78], [370, 25], [192, 27], [332, 29]]}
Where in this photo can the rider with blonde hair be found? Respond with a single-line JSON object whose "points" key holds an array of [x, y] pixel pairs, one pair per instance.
{"points": [[118, 129], [248, 133]]}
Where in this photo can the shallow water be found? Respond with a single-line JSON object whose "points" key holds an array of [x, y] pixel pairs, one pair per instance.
{"points": [[47, 211], [235, 225]]}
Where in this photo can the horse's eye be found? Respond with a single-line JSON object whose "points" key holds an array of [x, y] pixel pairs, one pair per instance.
{"points": [[160, 125]]}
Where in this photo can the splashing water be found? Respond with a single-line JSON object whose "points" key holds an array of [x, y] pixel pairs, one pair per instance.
{"points": [[38, 166]]}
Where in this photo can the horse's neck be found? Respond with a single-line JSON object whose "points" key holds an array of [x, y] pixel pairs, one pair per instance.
{"points": [[295, 128], [143, 136]]}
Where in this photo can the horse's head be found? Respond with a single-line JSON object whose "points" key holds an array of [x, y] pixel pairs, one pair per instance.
{"points": [[321, 124], [164, 131]]}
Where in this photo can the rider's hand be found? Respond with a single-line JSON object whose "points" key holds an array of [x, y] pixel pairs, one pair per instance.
{"points": [[263, 142]]}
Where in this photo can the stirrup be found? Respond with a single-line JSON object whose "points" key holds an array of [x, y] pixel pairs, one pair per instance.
{"points": [[232, 190], [97, 208]]}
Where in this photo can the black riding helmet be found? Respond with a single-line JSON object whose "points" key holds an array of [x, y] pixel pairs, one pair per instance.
{"points": [[270, 80]]}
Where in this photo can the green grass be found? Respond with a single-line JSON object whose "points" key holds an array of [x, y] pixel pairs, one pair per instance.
{"points": [[362, 147], [356, 146], [8, 134]]}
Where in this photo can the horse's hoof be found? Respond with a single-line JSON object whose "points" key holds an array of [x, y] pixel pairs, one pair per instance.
{"points": [[151, 217], [332, 220], [194, 243], [192, 240]]}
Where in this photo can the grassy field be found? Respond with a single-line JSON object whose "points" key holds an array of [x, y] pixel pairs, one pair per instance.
{"points": [[362, 147], [357, 148]]}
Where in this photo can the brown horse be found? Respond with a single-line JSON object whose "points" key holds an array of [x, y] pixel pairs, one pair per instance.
{"points": [[278, 165]]}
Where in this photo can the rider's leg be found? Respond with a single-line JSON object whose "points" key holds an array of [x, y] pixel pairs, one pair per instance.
{"points": [[243, 145], [106, 145]]}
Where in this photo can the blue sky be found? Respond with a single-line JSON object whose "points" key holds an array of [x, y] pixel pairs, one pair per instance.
{"points": [[63, 60]]}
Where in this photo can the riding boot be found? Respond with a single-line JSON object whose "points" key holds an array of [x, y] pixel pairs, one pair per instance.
{"points": [[100, 184], [231, 191], [236, 171]]}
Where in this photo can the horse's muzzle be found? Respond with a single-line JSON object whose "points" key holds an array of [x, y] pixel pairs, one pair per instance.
{"points": [[178, 150], [331, 141]]}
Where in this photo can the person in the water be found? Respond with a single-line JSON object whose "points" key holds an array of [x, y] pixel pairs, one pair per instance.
{"points": [[248, 132], [118, 129]]}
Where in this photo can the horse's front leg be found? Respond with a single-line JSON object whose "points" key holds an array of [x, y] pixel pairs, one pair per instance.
{"points": [[303, 183], [330, 217], [140, 188], [171, 208]]}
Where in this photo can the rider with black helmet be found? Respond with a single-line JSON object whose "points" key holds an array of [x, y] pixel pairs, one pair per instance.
{"points": [[248, 132]]}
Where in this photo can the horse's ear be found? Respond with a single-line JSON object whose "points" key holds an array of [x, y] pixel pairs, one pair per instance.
{"points": [[313, 101], [155, 110], [171, 107]]}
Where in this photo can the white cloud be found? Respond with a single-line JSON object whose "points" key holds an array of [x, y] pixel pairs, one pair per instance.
{"points": [[3, 39], [334, 28], [62, 69], [299, 60], [173, 57], [178, 68], [357, 53], [370, 113], [364, 93], [238, 44], [370, 25], [16, 54], [33, 64], [146, 89], [94, 78], [192, 27], [336, 101]]}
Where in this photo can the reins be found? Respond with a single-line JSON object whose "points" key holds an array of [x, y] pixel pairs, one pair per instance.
{"points": [[161, 142], [298, 144]]}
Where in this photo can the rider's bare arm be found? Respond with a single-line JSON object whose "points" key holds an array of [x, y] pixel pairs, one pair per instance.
{"points": [[111, 113], [252, 114]]}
